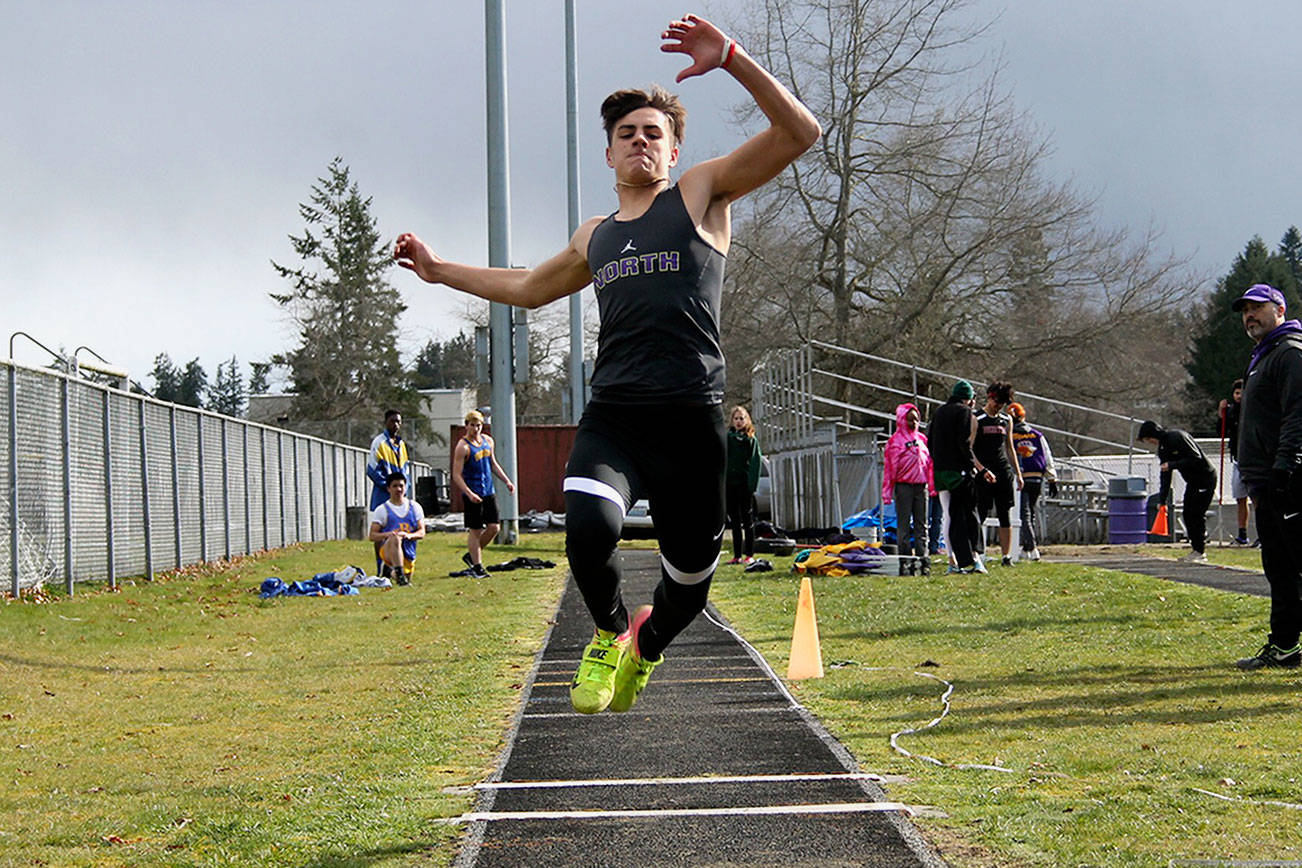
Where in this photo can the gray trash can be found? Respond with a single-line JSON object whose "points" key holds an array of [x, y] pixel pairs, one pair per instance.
{"points": [[355, 524]]}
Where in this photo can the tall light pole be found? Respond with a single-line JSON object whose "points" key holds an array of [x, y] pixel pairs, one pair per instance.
{"points": [[578, 392], [499, 256]]}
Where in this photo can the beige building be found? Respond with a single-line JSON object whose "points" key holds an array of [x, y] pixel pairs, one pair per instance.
{"points": [[427, 437]]}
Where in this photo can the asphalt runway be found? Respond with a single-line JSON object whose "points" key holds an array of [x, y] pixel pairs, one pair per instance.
{"points": [[1236, 579], [714, 766]]}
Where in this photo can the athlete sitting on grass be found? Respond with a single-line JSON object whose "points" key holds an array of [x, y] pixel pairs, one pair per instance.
{"points": [[396, 524], [655, 426]]}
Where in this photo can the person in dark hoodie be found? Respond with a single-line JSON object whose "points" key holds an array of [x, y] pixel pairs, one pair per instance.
{"points": [[955, 468], [1176, 450], [1270, 462], [907, 481]]}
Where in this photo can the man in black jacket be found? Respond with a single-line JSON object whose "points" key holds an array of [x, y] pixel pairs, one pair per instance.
{"points": [[1178, 451], [955, 467], [1270, 461]]}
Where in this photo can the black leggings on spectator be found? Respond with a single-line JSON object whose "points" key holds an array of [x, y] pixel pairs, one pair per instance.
{"points": [[741, 518]]}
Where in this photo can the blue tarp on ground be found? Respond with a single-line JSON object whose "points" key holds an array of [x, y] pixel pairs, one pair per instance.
{"points": [[320, 585]]}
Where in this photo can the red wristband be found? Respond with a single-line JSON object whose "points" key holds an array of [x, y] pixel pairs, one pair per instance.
{"points": [[727, 58]]}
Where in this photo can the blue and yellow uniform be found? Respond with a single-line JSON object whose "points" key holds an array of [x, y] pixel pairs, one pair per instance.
{"points": [[477, 472], [408, 520], [388, 455]]}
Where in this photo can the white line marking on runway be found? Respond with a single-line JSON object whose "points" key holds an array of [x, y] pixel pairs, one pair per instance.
{"points": [[757, 811], [572, 661], [671, 681], [773, 709], [697, 779]]}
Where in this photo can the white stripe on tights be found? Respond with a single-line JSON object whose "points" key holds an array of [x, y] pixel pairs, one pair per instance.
{"points": [[683, 578], [596, 488]]}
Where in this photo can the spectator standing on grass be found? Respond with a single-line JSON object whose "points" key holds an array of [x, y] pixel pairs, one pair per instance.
{"points": [[1177, 451], [1230, 412], [388, 456], [742, 478], [473, 468], [955, 468], [1036, 462], [1270, 460], [994, 450], [396, 525], [907, 481]]}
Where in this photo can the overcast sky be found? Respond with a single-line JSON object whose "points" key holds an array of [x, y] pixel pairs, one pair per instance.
{"points": [[153, 154]]}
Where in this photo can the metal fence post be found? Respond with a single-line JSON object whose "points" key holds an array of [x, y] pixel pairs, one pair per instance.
{"points": [[280, 463], [248, 521], [311, 495], [226, 490], [176, 486], [334, 488], [262, 456], [144, 493], [13, 477], [108, 492], [203, 492], [1130, 447], [298, 502], [67, 484]]}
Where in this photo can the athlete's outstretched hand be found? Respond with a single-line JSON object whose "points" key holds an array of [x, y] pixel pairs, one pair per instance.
{"points": [[699, 38], [412, 253]]}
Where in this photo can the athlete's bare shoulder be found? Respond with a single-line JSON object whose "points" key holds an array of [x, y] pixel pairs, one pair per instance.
{"points": [[583, 236]]}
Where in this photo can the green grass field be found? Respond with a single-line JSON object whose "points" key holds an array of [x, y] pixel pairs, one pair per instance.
{"points": [[1110, 698], [188, 722]]}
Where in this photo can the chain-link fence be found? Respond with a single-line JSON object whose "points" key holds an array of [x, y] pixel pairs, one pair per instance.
{"points": [[101, 484]]}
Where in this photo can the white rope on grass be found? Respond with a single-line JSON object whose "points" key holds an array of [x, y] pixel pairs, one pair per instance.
{"points": [[944, 699], [945, 708], [1271, 802]]}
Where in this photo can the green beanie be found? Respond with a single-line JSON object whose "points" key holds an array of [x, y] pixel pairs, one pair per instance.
{"points": [[962, 390]]}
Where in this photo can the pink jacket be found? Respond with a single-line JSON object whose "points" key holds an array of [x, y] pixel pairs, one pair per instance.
{"points": [[907, 457]]}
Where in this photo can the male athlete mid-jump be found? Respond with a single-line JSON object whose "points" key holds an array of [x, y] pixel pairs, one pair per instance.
{"points": [[655, 425]]}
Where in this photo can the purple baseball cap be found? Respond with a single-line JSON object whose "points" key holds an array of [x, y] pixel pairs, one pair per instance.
{"points": [[1258, 292]]}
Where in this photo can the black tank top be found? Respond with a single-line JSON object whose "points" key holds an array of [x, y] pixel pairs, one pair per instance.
{"points": [[991, 442], [658, 291]]}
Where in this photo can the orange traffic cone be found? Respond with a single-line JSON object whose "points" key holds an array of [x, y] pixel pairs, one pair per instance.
{"points": [[1160, 527], [806, 656]]}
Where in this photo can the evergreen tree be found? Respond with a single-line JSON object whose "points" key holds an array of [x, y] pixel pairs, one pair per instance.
{"points": [[346, 364], [258, 384], [1219, 348], [167, 379], [445, 365], [227, 394], [1290, 247], [192, 385]]}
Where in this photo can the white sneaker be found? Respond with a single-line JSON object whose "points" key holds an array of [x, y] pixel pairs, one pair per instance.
{"points": [[1194, 558], [978, 564], [1033, 555]]}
